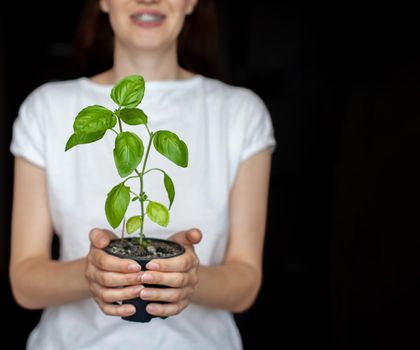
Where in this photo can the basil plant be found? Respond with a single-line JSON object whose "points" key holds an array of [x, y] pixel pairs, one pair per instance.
{"points": [[130, 154]]}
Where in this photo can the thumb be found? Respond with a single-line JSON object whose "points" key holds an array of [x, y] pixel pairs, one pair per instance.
{"points": [[187, 238], [100, 238]]}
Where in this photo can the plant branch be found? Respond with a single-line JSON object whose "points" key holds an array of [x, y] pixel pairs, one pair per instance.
{"points": [[147, 153], [150, 134], [157, 169], [130, 177]]}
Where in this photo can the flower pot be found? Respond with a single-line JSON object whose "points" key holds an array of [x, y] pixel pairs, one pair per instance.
{"points": [[165, 249]]}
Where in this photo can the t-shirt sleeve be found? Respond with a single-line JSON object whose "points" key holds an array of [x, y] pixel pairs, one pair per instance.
{"points": [[259, 132], [28, 138]]}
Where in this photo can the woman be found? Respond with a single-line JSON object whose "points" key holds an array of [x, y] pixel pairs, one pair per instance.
{"points": [[223, 193]]}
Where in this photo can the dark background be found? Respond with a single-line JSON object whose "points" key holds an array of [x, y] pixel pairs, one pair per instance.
{"points": [[342, 85]]}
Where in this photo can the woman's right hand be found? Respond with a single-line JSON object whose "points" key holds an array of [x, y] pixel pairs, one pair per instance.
{"points": [[105, 272]]}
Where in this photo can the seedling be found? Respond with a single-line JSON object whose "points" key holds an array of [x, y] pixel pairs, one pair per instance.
{"points": [[93, 122]]}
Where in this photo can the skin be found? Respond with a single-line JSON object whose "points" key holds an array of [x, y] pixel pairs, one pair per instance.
{"points": [[38, 281], [151, 51]]}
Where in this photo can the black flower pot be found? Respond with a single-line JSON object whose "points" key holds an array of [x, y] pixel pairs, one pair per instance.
{"points": [[176, 249]]}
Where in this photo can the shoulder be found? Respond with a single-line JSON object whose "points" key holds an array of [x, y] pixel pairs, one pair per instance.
{"points": [[58, 88], [233, 94], [237, 103], [53, 92]]}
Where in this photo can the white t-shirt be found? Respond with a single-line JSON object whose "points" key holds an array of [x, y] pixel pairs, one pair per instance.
{"points": [[222, 126]]}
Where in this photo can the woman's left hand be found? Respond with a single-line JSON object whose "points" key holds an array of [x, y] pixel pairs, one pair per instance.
{"points": [[180, 274]]}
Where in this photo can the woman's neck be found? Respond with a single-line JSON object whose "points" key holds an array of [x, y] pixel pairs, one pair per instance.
{"points": [[152, 65]]}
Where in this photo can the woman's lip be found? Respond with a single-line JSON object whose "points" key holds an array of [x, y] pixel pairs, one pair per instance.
{"points": [[147, 24], [149, 12]]}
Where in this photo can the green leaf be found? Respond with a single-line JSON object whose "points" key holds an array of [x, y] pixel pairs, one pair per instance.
{"points": [[170, 189], [128, 92], [133, 116], [81, 138], [133, 224], [128, 152], [158, 213], [94, 119], [116, 204], [169, 145]]}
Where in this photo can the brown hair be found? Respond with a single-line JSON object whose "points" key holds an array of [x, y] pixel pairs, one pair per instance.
{"points": [[198, 49]]}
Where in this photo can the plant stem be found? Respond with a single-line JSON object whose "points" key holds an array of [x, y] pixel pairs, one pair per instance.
{"points": [[122, 233], [141, 205], [117, 114], [140, 175]]}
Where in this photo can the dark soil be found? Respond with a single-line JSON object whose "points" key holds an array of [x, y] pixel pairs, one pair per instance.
{"points": [[156, 248]]}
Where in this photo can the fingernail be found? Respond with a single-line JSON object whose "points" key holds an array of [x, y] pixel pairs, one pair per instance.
{"points": [[102, 242], [146, 293], [152, 266], [147, 278], [151, 308], [134, 267], [137, 289], [129, 310]]}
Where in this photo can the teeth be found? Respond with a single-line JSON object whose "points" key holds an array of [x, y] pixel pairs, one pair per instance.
{"points": [[147, 17]]}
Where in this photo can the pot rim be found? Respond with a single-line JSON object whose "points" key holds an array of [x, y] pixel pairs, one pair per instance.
{"points": [[144, 259]]}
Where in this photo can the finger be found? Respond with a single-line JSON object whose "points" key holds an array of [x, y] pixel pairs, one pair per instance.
{"points": [[111, 295], [165, 294], [172, 279], [187, 238], [100, 238], [170, 309], [123, 310], [181, 263], [107, 262], [114, 279]]}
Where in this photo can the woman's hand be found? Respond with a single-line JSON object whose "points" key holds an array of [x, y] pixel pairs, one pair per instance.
{"points": [[180, 274], [104, 272]]}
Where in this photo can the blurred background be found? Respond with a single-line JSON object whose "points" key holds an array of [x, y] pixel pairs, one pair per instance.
{"points": [[342, 83]]}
